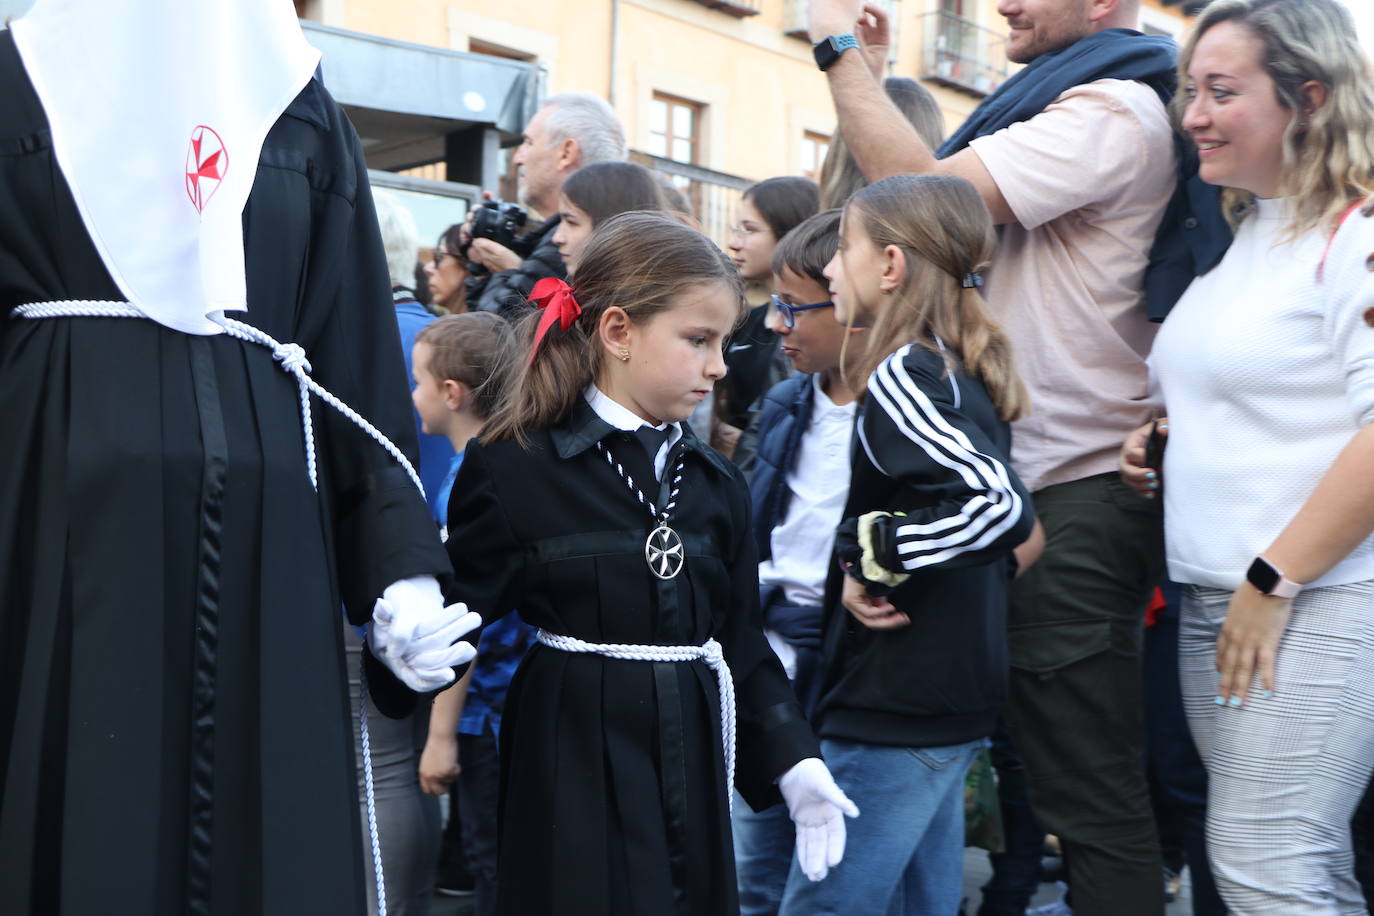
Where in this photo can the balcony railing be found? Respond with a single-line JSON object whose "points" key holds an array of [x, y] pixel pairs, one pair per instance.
{"points": [[737, 8], [796, 18], [714, 196], [963, 55]]}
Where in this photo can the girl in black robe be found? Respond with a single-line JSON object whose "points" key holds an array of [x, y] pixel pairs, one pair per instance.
{"points": [[614, 792], [174, 721]]}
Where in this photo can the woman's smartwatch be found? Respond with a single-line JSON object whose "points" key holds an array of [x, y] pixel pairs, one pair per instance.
{"points": [[1270, 580], [829, 50]]}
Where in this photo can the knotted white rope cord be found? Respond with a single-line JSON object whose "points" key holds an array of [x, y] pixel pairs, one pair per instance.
{"points": [[709, 652], [366, 742], [293, 360], [290, 356]]}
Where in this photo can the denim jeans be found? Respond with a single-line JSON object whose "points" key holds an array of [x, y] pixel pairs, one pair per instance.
{"points": [[904, 853], [764, 843], [479, 787]]}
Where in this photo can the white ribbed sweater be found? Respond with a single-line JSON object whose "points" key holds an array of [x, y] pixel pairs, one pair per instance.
{"points": [[1266, 373]]}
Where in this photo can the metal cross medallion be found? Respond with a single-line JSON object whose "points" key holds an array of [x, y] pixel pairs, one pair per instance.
{"points": [[664, 552]]}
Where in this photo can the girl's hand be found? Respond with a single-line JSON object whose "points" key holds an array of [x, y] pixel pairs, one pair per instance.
{"points": [[1249, 642], [1030, 550], [874, 613], [875, 36], [1131, 463], [439, 764]]}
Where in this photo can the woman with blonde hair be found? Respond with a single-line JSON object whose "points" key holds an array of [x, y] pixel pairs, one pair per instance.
{"points": [[1267, 368]]}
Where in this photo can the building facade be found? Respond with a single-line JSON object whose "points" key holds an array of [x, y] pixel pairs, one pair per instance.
{"points": [[724, 85]]}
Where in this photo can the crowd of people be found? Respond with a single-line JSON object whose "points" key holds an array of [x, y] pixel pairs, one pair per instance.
{"points": [[698, 577]]}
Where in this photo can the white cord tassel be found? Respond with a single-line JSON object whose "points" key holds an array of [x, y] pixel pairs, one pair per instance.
{"points": [[367, 787]]}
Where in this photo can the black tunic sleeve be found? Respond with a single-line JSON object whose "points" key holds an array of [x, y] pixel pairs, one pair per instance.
{"points": [[487, 558], [310, 217], [345, 319], [771, 732]]}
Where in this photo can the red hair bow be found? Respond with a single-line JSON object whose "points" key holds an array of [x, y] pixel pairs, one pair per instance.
{"points": [[556, 299]]}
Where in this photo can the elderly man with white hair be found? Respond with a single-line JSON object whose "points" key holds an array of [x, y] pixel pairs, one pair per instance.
{"points": [[570, 130]]}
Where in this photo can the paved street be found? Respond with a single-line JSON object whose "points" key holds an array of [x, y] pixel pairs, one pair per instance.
{"points": [[976, 872]]}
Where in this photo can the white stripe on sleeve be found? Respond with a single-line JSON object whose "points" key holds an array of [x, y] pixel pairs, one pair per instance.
{"points": [[995, 506]]}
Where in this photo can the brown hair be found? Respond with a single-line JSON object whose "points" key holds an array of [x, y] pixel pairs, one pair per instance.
{"points": [[840, 175], [1328, 158], [603, 189], [638, 261], [784, 202], [471, 348], [945, 232], [808, 248]]}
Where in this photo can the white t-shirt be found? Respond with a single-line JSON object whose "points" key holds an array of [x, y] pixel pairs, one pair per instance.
{"points": [[1087, 180], [802, 542], [1266, 374]]}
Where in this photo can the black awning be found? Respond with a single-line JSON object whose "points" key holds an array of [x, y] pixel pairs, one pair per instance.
{"points": [[444, 89]]}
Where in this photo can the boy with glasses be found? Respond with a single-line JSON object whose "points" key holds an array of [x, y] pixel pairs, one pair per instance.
{"points": [[798, 485]]}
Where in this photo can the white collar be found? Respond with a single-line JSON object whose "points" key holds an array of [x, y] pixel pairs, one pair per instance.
{"points": [[824, 402], [625, 419], [140, 97]]}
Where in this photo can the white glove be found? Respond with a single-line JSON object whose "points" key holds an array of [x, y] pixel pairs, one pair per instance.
{"points": [[414, 635], [817, 807]]}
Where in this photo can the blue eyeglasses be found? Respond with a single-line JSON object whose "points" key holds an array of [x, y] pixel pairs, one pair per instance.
{"points": [[789, 312]]}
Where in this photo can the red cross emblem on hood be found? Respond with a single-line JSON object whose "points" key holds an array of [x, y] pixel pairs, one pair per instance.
{"points": [[206, 163]]}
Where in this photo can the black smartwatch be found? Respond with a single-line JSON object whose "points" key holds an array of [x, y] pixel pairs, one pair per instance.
{"points": [[1270, 580], [829, 50]]}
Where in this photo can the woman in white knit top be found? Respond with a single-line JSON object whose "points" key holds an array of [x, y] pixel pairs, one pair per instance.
{"points": [[1266, 367]]}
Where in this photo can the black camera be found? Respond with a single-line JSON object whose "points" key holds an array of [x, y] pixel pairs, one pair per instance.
{"points": [[496, 220]]}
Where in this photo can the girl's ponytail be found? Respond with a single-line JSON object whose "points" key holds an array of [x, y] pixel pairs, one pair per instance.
{"points": [[638, 262], [542, 389], [945, 232]]}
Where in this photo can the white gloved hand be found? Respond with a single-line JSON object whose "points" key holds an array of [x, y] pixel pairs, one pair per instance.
{"points": [[414, 635], [818, 808]]}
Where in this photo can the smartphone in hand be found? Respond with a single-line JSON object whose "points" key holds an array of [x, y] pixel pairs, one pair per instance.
{"points": [[1154, 454]]}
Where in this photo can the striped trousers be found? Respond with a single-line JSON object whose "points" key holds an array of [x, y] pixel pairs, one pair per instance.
{"points": [[1286, 772]]}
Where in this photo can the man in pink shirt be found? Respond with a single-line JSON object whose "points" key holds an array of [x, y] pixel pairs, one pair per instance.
{"points": [[1075, 159]]}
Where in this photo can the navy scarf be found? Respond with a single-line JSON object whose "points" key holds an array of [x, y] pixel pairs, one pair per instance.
{"points": [[1120, 54], [1193, 235]]}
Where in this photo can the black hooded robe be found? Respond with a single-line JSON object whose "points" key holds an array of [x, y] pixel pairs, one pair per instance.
{"points": [[174, 722]]}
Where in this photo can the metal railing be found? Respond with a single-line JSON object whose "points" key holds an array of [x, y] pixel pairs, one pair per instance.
{"points": [[714, 196], [962, 54]]}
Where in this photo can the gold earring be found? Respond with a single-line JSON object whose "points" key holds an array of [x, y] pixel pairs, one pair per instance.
{"points": [[624, 355]]}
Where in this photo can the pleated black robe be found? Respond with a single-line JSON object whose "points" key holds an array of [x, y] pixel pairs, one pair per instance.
{"points": [[613, 789], [174, 724]]}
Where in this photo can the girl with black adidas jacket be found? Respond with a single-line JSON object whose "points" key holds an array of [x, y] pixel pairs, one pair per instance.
{"points": [[914, 651]]}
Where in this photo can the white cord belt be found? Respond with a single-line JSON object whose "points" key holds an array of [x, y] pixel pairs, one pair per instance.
{"points": [[292, 359], [709, 652]]}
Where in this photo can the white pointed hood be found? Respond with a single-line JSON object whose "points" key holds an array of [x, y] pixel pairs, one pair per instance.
{"points": [[158, 110]]}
